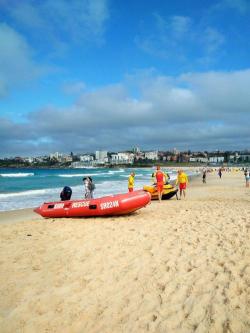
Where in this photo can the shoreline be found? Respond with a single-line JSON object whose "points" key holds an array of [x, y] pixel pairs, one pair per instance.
{"points": [[176, 266], [18, 215], [26, 195]]}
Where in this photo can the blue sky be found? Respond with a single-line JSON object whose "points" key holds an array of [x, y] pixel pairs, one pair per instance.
{"points": [[104, 74]]}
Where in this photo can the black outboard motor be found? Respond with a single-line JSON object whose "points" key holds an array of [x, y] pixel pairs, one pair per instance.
{"points": [[66, 193]]}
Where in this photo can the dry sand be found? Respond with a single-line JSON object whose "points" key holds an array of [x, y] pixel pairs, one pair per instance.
{"points": [[175, 266]]}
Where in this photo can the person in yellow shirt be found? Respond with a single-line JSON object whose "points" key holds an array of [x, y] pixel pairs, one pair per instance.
{"points": [[182, 180], [131, 182]]}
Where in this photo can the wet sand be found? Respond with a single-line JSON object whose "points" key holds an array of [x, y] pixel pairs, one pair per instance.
{"points": [[176, 266]]}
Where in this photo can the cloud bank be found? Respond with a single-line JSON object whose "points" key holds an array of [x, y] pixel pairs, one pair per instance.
{"points": [[194, 110], [38, 32], [16, 60], [62, 21]]}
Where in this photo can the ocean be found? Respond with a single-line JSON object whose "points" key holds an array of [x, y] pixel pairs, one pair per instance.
{"points": [[27, 188]]}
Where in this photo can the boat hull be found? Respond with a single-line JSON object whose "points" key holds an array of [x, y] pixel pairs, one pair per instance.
{"points": [[119, 204], [168, 192]]}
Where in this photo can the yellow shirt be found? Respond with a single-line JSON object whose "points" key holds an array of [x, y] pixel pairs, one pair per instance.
{"points": [[182, 178], [131, 181]]}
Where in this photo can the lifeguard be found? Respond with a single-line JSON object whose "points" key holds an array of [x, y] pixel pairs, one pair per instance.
{"points": [[131, 182], [182, 180], [160, 181]]}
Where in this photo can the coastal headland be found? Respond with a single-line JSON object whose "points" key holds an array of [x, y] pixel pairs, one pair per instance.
{"points": [[177, 266]]}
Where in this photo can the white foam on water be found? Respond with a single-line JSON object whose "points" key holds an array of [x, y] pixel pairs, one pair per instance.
{"points": [[15, 175], [85, 175], [34, 198], [27, 199], [24, 193], [136, 175], [70, 176], [112, 172]]}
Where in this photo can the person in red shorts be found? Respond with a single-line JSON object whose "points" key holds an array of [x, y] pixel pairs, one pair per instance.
{"points": [[182, 180], [160, 181]]}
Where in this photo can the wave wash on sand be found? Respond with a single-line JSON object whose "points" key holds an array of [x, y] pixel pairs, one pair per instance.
{"points": [[175, 267]]}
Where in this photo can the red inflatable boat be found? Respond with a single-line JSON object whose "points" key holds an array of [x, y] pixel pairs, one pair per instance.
{"points": [[111, 205]]}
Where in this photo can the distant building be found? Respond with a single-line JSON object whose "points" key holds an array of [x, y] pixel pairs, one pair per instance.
{"points": [[29, 159], [136, 150], [216, 159], [55, 156], [175, 151], [86, 158], [244, 157], [66, 158], [19, 159], [122, 158], [198, 159], [152, 155], [101, 155], [41, 159], [173, 158]]}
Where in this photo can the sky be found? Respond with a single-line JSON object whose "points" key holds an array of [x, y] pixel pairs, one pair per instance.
{"points": [[86, 75]]}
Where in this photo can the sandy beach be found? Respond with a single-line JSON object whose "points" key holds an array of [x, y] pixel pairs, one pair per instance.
{"points": [[177, 266]]}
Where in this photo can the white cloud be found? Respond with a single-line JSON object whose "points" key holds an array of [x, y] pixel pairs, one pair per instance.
{"points": [[194, 110], [242, 6], [180, 25], [16, 60], [62, 21], [225, 93], [73, 88], [181, 39], [213, 40]]}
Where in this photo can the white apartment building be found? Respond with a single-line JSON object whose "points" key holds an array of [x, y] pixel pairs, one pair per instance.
{"points": [[29, 159], [151, 155], [101, 155], [216, 159], [244, 157], [198, 159], [86, 158], [66, 158], [56, 156], [122, 158]]}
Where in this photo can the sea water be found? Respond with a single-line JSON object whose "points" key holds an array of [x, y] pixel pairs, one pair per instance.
{"points": [[27, 188]]}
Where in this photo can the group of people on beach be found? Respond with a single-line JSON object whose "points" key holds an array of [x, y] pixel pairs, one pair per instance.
{"points": [[159, 179], [89, 188]]}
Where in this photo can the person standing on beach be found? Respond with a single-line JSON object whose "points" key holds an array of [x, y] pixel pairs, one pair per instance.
{"points": [[182, 180], [247, 178], [167, 178], [246, 174], [89, 187], [160, 181], [131, 182], [220, 172], [204, 176]]}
